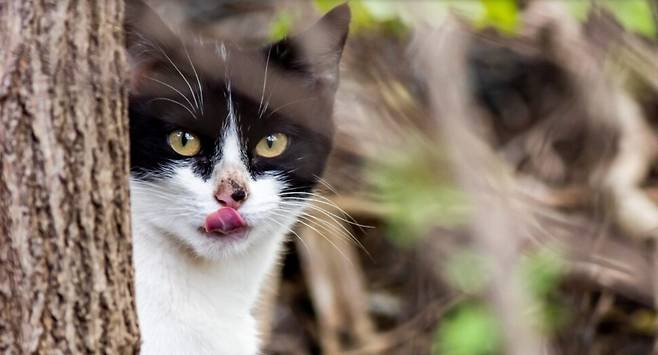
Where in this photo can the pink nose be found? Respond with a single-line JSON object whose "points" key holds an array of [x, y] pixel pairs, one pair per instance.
{"points": [[231, 197]]}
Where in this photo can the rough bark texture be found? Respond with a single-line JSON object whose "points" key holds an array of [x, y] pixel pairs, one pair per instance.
{"points": [[66, 279]]}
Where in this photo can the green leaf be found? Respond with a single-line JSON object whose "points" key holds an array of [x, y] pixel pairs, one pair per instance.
{"points": [[326, 5], [471, 330], [281, 26], [369, 14], [541, 273], [501, 14], [635, 15], [381, 10]]}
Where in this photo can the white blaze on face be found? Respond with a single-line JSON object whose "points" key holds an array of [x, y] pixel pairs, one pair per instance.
{"points": [[231, 147], [233, 159]]}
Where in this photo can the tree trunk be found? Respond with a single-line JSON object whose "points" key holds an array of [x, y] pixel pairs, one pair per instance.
{"points": [[66, 278]]}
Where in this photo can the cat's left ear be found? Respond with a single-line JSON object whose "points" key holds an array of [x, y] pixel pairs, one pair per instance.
{"points": [[316, 52]]}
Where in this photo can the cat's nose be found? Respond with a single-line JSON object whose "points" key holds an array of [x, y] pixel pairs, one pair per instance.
{"points": [[231, 193]]}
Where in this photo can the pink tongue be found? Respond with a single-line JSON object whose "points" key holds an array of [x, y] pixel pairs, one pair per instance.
{"points": [[224, 220]]}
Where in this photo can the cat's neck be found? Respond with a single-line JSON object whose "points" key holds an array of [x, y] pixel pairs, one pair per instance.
{"points": [[178, 292]]}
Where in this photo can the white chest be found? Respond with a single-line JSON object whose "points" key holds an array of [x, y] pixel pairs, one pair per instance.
{"points": [[189, 306]]}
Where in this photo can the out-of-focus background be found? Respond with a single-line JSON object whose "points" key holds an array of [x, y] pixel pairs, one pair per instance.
{"points": [[493, 186]]}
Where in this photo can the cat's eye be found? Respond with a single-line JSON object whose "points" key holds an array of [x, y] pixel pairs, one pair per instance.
{"points": [[272, 145], [184, 143]]}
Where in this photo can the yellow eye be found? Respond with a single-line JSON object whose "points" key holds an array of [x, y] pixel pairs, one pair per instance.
{"points": [[272, 146], [184, 143]]}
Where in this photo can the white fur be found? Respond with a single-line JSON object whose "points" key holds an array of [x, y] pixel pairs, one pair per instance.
{"points": [[195, 294]]}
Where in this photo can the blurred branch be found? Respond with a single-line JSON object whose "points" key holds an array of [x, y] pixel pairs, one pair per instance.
{"points": [[383, 342], [495, 221], [336, 281], [638, 148]]}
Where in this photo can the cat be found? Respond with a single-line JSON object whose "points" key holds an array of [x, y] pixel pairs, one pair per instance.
{"points": [[227, 144]]}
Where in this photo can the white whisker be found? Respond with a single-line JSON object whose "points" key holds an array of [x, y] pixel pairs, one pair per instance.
{"points": [[173, 88], [262, 94], [175, 102], [314, 229], [197, 78], [326, 199], [334, 217], [288, 104], [181, 74], [289, 230], [324, 211], [325, 237], [328, 202], [326, 184], [341, 232]]}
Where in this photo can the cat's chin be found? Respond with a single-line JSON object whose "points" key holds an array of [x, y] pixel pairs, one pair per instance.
{"points": [[237, 236], [217, 246]]}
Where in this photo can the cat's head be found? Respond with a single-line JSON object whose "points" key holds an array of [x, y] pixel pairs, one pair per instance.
{"points": [[228, 143]]}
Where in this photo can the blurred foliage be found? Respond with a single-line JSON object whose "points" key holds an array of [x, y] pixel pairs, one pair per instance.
{"points": [[397, 16], [281, 26], [466, 271], [368, 14], [644, 321], [541, 273], [471, 329], [635, 15], [416, 185], [500, 14], [503, 15]]}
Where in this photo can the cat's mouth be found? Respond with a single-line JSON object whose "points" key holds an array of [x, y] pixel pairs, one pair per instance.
{"points": [[226, 221]]}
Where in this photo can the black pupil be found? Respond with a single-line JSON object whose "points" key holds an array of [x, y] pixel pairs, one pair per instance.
{"points": [[270, 141], [184, 138]]}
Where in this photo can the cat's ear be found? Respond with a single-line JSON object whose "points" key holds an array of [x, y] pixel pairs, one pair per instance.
{"points": [[316, 52], [147, 38]]}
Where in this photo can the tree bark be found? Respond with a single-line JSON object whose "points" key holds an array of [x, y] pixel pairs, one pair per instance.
{"points": [[66, 278]]}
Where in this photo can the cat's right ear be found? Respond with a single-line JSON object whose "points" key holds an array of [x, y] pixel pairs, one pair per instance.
{"points": [[316, 52], [148, 39]]}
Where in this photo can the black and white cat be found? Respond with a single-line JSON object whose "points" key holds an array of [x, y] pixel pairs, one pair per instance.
{"points": [[226, 146]]}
